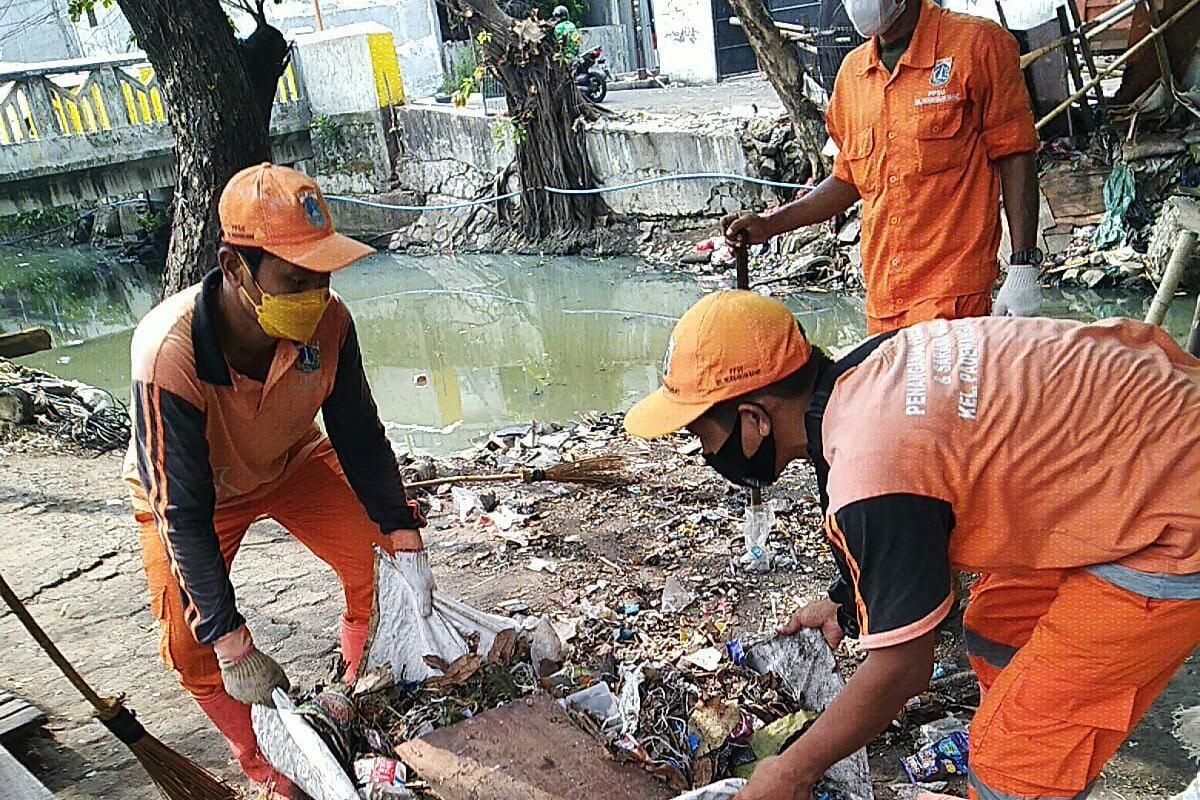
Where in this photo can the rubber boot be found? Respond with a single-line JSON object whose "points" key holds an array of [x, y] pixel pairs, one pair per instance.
{"points": [[232, 719], [354, 640]]}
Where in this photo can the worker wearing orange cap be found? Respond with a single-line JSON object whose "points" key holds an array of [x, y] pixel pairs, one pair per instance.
{"points": [[1065, 451], [228, 377]]}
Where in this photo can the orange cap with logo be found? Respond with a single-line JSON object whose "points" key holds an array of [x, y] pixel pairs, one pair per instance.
{"points": [[728, 344], [282, 212]]}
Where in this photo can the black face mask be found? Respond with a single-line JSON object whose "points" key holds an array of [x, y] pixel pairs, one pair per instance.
{"points": [[732, 464]]}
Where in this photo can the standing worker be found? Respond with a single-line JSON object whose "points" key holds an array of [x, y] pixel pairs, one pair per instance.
{"points": [[228, 377], [990, 445], [932, 122]]}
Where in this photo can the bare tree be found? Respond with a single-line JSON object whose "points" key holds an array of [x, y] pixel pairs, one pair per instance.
{"points": [[781, 61], [218, 94], [547, 112]]}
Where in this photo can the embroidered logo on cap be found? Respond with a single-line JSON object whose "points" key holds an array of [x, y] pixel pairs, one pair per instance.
{"points": [[941, 72], [313, 210]]}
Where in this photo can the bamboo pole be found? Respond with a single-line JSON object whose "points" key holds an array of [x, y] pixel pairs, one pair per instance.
{"points": [[1064, 27], [1088, 30], [1193, 345], [1185, 245], [1160, 48], [1085, 49], [1118, 62]]}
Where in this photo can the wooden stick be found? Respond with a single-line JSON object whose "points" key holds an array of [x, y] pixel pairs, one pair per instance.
{"points": [[1160, 48], [1193, 345], [1088, 30], [1185, 245], [1119, 62], [497, 478], [1085, 47], [1073, 63]]}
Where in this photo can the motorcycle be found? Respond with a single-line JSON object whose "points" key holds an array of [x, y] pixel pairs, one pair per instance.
{"points": [[592, 75]]}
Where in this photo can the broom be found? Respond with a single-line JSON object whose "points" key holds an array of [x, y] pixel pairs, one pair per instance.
{"points": [[176, 777], [598, 470]]}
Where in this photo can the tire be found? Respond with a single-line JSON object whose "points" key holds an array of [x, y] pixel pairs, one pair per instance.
{"points": [[597, 89]]}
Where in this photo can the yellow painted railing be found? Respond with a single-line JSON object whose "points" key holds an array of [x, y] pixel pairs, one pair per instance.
{"points": [[83, 101]]}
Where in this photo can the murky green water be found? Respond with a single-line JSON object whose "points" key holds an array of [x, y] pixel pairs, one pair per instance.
{"points": [[455, 347]]}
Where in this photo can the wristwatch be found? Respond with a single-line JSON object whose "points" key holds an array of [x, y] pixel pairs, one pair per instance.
{"points": [[1032, 257]]}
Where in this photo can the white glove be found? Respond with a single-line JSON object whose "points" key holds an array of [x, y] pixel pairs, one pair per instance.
{"points": [[1021, 295], [413, 566]]}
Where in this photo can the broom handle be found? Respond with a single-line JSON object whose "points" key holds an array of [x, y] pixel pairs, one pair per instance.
{"points": [[18, 608], [503, 476]]}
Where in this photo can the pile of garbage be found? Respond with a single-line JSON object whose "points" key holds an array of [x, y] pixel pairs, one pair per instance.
{"points": [[32, 400]]}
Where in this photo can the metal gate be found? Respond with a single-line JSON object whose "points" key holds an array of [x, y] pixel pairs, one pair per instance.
{"points": [[734, 55]]}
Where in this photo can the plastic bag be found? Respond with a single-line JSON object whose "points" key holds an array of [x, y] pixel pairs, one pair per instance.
{"points": [[760, 519]]}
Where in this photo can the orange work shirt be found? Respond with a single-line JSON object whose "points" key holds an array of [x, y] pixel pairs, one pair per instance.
{"points": [[921, 144], [1056, 444]]}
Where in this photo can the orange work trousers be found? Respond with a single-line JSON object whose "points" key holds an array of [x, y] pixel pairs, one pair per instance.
{"points": [[967, 305], [317, 506], [1068, 663]]}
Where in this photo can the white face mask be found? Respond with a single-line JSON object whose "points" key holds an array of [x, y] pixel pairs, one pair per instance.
{"points": [[873, 17]]}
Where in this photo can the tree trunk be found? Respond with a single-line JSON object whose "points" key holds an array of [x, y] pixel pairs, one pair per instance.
{"points": [[780, 60], [546, 108], [217, 125]]}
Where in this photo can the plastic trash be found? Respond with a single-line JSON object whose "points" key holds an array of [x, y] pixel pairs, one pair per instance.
{"points": [[599, 701], [1192, 792], [947, 757], [381, 778], [402, 638], [721, 790], [545, 650], [933, 732], [760, 519], [465, 501], [293, 748], [629, 699], [675, 598]]}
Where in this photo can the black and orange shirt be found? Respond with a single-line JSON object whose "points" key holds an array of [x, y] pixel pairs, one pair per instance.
{"points": [[891, 551], [207, 437], [1003, 446]]}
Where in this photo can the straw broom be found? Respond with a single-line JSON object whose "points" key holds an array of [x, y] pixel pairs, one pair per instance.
{"points": [[176, 777], [598, 470]]}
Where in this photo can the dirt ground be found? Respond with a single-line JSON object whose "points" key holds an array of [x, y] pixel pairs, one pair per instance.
{"points": [[70, 550]]}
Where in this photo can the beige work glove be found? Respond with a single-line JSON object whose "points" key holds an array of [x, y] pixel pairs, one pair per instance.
{"points": [[1021, 294], [249, 674]]}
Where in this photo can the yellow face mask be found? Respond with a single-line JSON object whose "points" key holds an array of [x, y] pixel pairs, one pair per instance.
{"points": [[292, 316]]}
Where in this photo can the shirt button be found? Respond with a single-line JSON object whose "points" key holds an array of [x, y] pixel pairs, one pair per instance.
{"points": [[937, 128], [892, 179], [895, 220], [895, 262], [891, 134]]}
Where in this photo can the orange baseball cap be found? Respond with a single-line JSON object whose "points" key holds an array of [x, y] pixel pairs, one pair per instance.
{"points": [[728, 344], [282, 212]]}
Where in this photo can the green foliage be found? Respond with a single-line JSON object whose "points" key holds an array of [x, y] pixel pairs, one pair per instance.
{"points": [[42, 219], [509, 129], [462, 70], [77, 8], [469, 85]]}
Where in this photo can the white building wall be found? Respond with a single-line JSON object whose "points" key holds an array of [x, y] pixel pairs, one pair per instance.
{"points": [[413, 23], [686, 45], [1021, 15], [110, 35]]}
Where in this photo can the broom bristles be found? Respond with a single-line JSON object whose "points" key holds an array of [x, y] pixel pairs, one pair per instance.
{"points": [[607, 469], [176, 776]]}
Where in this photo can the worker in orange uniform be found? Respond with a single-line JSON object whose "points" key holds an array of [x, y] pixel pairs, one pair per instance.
{"points": [[932, 122], [228, 377], [985, 444]]}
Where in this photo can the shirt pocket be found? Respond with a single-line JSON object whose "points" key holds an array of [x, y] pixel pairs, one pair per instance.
{"points": [[940, 143], [859, 152]]}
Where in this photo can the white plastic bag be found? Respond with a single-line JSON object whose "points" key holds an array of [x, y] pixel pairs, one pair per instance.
{"points": [[760, 519], [295, 750]]}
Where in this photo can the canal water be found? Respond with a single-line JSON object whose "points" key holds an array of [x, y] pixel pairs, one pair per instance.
{"points": [[454, 346]]}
